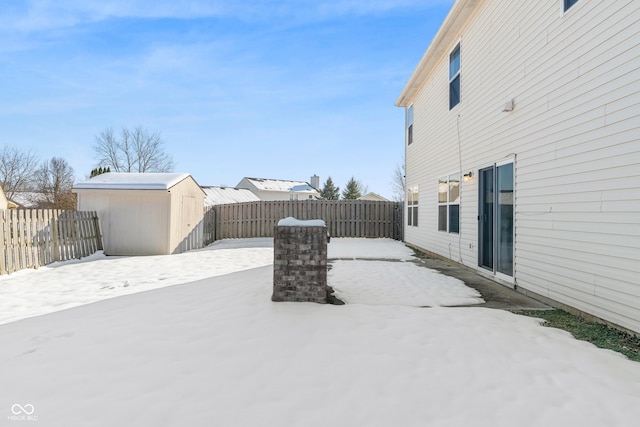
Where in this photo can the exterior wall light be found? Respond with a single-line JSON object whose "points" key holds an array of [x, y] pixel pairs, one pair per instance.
{"points": [[509, 106], [468, 176]]}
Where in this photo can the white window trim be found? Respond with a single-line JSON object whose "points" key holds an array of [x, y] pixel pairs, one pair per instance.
{"points": [[458, 73], [449, 203], [408, 125], [415, 207]]}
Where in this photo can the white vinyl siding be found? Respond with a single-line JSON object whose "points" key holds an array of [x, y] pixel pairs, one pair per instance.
{"points": [[573, 138]]}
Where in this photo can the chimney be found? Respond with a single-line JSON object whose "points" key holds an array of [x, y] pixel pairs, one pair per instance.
{"points": [[315, 182]]}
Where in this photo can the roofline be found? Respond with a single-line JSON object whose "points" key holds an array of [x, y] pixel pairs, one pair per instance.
{"points": [[88, 185], [448, 33], [275, 179]]}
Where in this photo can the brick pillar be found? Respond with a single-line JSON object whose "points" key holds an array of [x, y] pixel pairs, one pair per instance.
{"points": [[300, 264]]}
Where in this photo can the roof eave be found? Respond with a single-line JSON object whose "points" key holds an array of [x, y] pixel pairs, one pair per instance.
{"points": [[449, 31]]}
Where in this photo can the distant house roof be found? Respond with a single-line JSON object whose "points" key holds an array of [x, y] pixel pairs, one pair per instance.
{"points": [[281, 185], [27, 199], [374, 197], [132, 181], [224, 195]]}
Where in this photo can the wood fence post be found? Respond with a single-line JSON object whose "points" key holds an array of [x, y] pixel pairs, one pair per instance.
{"points": [[3, 242], [55, 241], [96, 230]]}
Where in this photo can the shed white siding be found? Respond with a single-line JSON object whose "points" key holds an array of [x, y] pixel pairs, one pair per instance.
{"points": [[574, 138], [133, 222], [187, 216], [145, 214]]}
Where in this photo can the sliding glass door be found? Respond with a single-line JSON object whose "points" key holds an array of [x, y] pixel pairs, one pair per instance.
{"points": [[495, 219]]}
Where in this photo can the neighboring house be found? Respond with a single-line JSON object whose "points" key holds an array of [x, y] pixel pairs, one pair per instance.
{"points": [[277, 189], [523, 149], [225, 195], [145, 213], [4, 202], [373, 197]]}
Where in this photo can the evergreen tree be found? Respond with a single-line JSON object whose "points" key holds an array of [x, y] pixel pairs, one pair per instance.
{"points": [[330, 191], [99, 171], [352, 190]]}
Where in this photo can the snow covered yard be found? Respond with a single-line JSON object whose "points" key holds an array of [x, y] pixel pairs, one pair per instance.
{"points": [[217, 351]]}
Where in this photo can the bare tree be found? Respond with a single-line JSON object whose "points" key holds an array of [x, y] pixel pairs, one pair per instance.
{"points": [[53, 185], [17, 168], [398, 182], [136, 150]]}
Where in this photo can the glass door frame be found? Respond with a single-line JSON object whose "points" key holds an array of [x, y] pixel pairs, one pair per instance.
{"points": [[494, 204]]}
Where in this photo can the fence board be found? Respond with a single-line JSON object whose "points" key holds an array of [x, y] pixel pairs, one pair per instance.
{"points": [[33, 238], [344, 218]]}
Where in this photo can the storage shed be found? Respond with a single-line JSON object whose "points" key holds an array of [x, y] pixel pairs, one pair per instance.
{"points": [[145, 213]]}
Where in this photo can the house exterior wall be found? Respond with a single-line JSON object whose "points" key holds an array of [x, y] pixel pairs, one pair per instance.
{"points": [[573, 138], [187, 216], [133, 222], [273, 194], [4, 203], [282, 195]]}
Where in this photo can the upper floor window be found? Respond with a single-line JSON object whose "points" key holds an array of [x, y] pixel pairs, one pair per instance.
{"points": [[569, 3], [454, 77], [410, 124]]}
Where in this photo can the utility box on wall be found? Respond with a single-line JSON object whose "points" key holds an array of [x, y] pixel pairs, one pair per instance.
{"points": [[300, 261]]}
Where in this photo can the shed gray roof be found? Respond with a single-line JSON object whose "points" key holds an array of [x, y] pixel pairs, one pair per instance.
{"points": [[224, 195]]}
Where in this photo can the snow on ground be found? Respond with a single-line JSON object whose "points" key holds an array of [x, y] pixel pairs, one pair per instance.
{"points": [[59, 286], [369, 249], [218, 352], [64, 285], [397, 283]]}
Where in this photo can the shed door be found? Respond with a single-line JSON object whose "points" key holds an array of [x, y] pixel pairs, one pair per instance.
{"points": [[189, 219]]}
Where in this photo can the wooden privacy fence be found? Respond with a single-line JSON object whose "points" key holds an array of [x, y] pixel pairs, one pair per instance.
{"points": [[31, 238], [344, 218]]}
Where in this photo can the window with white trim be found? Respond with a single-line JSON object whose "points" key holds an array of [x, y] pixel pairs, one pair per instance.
{"points": [[449, 203], [412, 206], [569, 3], [410, 124], [454, 77]]}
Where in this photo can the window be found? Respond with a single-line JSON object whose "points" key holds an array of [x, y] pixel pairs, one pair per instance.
{"points": [[412, 206], [410, 125], [569, 3], [454, 77], [449, 203]]}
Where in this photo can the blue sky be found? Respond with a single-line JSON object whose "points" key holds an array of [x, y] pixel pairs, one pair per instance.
{"points": [[276, 89]]}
